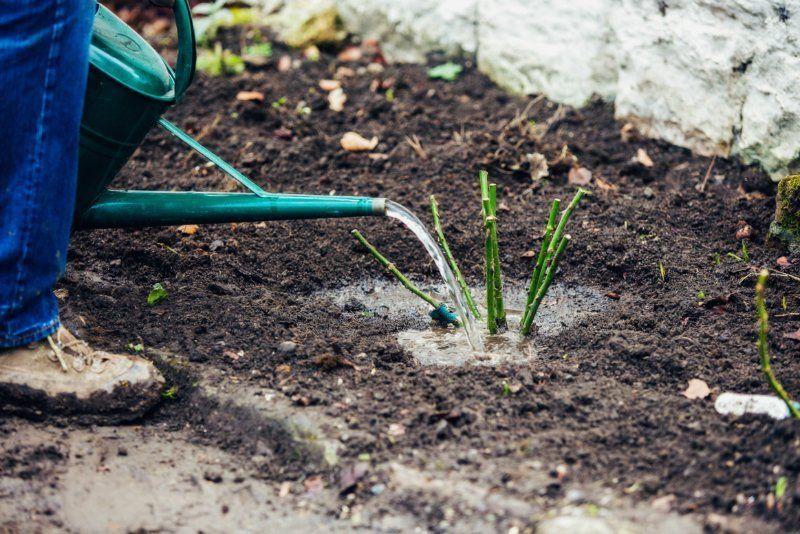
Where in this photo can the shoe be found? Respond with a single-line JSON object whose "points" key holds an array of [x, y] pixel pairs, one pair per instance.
{"points": [[62, 375]]}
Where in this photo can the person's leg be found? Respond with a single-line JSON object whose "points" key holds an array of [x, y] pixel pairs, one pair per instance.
{"points": [[43, 68], [44, 369]]}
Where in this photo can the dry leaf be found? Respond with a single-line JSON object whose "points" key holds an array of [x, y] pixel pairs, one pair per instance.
{"points": [[627, 132], [344, 72], [329, 85], [396, 430], [697, 389], [283, 369], [188, 229], [603, 185], [579, 176], [744, 232], [336, 100], [284, 63], [528, 254], [351, 53], [538, 166], [783, 261], [793, 335], [643, 158], [233, 355], [246, 96], [353, 142], [61, 293]]}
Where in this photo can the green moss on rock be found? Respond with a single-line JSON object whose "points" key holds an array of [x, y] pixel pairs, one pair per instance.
{"points": [[786, 225]]}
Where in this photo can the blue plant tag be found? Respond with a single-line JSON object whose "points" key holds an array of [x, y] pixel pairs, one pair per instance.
{"points": [[444, 316]]}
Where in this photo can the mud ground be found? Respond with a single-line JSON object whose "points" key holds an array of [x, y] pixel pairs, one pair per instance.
{"points": [[344, 429]]}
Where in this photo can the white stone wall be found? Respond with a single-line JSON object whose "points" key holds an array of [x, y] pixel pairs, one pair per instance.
{"points": [[717, 76]]}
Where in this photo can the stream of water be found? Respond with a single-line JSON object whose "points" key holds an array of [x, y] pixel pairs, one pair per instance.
{"points": [[399, 212]]}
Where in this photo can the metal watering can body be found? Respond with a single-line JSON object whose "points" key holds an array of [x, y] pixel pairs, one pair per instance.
{"points": [[129, 88]]}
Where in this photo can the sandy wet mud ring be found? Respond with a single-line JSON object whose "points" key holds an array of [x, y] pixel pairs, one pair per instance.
{"points": [[600, 406]]}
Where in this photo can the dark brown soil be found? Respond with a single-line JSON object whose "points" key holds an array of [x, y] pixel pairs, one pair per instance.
{"points": [[604, 400]]}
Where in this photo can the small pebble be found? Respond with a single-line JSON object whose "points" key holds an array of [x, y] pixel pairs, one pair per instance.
{"points": [[648, 192], [287, 347]]}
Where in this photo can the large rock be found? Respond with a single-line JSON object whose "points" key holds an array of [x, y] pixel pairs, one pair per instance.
{"points": [[553, 47], [409, 29]]}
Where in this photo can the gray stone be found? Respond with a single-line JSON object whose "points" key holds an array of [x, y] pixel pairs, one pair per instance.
{"points": [[287, 347]]}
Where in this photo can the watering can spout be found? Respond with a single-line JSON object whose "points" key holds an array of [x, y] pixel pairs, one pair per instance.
{"points": [[125, 208]]}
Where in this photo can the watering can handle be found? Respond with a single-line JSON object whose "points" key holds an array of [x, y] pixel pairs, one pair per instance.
{"points": [[187, 54]]}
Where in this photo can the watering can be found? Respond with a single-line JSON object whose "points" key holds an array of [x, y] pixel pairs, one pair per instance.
{"points": [[129, 87]]}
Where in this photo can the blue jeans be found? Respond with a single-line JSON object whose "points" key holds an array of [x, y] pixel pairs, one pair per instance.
{"points": [[44, 47]]}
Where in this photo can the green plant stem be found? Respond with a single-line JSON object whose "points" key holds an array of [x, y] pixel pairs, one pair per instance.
{"points": [[763, 346], [491, 302], [539, 268], [562, 223], [548, 279], [450, 259], [500, 310], [395, 271]]}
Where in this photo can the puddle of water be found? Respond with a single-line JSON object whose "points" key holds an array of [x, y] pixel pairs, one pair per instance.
{"points": [[435, 345]]}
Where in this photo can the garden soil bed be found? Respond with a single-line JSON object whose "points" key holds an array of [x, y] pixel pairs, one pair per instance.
{"points": [[602, 404]]}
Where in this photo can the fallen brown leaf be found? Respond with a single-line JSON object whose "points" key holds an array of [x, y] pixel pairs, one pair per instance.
{"points": [[697, 389], [351, 53], [336, 99], [744, 231], [603, 185], [344, 72], [627, 131], [329, 85], [579, 176], [538, 165], [613, 295], [283, 369], [247, 96], [188, 229], [353, 142], [284, 63], [528, 254], [643, 158], [793, 335]]}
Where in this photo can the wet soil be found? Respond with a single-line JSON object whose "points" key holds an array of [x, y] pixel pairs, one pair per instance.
{"points": [[600, 405]]}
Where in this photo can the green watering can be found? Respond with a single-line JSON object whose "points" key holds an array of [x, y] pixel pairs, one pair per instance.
{"points": [[129, 88]]}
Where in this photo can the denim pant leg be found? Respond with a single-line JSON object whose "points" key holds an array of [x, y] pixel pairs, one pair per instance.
{"points": [[44, 48]]}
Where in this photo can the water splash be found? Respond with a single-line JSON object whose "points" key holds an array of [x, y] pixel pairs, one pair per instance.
{"points": [[412, 222]]}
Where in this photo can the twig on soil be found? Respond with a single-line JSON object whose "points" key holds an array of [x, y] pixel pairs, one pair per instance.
{"points": [[439, 314], [450, 259], [702, 185], [416, 145], [763, 346]]}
